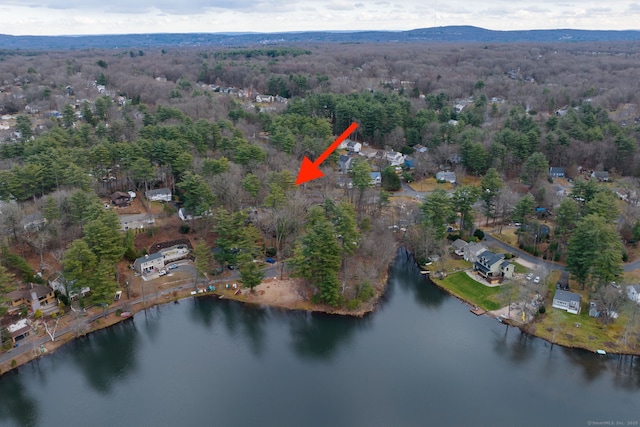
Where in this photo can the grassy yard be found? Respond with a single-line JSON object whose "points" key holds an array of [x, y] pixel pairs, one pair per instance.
{"points": [[430, 184], [464, 287], [580, 330]]}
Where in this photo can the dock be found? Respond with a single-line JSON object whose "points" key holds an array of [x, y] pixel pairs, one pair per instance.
{"points": [[477, 311]]}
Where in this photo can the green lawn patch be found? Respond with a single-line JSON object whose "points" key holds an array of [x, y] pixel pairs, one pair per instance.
{"points": [[464, 287]]}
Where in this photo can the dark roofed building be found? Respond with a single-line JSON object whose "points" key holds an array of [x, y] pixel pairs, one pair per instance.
{"points": [[492, 267], [567, 301], [556, 172], [120, 199]]}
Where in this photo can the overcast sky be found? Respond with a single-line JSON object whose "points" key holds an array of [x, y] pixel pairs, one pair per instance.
{"points": [[53, 17]]}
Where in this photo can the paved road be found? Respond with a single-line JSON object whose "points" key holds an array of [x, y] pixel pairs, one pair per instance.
{"points": [[522, 254], [28, 344]]}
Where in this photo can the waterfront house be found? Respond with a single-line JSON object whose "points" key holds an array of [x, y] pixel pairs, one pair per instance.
{"points": [[458, 247], [19, 330], [633, 292], [567, 301], [149, 263], [492, 267], [472, 250], [159, 194], [36, 297]]}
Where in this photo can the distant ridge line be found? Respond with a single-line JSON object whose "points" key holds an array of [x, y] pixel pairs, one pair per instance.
{"points": [[448, 34]]}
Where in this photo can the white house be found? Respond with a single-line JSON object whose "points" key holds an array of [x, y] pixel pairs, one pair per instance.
{"points": [[264, 98], [567, 301], [159, 194], [633, 292], [354, 147], [149, 263], [395, 158]]}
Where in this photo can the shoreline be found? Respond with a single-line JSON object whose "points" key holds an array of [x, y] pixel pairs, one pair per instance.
{"points": [[523, 327], [175, 295]]}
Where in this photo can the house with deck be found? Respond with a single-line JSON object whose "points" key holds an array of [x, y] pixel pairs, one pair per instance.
{"points": [[493, 267], [36, 297], [120, 199]]}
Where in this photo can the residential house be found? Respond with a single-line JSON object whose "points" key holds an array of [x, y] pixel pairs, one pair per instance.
{"points": [[58, 284], [420, 148], [344, 163], [376, 178], [159, 194], [633, 292], [559, 190], [264, 98], [120, 199], [556, 172], [409, 162], [19, 330], [33, 222], [345, 182], [36, 297], [446, 176], [354, 147], [492, 267], [602, 176], [395, 158], [593, 309], [458, 247], [472, 250], [149, 263], [567, 301]]}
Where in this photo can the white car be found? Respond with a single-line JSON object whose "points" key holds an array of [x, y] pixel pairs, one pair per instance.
{"points": [[536, 280], [529, 276], [162, 272]]}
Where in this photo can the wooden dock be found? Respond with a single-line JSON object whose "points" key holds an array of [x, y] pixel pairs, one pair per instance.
{"points": [[477, 311]]}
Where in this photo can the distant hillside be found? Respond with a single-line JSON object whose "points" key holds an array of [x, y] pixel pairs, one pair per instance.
{"points": [[438, 34]]}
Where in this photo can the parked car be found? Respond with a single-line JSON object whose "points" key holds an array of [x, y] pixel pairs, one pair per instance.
{"points": [[529, 276], [162, 272], [536, 280], [270, 260], [173, 266]]}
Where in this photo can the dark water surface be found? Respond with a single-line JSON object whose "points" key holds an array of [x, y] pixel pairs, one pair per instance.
{"points": [[421, 359]]}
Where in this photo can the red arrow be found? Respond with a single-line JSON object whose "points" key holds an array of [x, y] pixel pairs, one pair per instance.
{"points": [[311, 170]]}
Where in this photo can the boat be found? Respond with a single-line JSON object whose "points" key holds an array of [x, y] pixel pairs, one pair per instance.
{"points": [[125, 314], [601, 352]]}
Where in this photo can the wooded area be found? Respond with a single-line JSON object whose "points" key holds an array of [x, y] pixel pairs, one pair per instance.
{"points": [[226, 129]]}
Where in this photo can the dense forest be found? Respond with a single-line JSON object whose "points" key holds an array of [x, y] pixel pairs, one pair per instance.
{"points": [[226, 130]]}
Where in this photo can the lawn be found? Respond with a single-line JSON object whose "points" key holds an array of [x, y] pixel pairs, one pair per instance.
{"points": [[580, 330], [430, 184], [467, 289]]}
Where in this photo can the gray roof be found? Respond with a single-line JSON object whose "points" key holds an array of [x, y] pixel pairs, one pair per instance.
{"points": [[459, 244], [635, 287], [505, 264], [490, 258], [556, 170], [158, 191], [475, 247], [566, 296], [149, 257]]}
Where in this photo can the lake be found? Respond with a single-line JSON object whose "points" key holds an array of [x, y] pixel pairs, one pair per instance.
{"points": [[421, 359]]}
